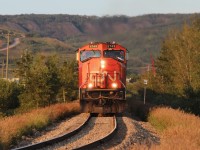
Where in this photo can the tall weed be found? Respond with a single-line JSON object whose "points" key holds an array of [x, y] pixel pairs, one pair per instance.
{"points": [[12, 128], [178, 130]]}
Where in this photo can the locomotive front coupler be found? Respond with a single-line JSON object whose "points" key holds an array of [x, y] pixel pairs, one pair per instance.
{"points": [[102, 101]]}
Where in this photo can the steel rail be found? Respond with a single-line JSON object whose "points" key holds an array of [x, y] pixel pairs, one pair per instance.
{"points": [[102, 140], [54, 140]]}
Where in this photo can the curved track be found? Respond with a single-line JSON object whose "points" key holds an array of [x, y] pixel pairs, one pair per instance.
{"points": [[54, 140], [69, 136], [101, 140]]}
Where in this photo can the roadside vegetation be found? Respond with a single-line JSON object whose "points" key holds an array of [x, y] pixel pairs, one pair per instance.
{"points": [[178, 129], [175, 128], [14, 127]]}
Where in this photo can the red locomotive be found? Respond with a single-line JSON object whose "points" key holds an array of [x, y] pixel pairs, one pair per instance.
{"points": [[102, 77]]}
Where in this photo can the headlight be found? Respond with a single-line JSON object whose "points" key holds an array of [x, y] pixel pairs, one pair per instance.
{"points": [[102, 64], [90, 85], [114, 85]]}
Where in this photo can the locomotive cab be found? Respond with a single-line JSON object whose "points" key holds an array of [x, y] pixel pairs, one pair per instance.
{"points": [[102, 77]]}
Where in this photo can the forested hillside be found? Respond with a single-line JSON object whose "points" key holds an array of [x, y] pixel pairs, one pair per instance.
{"points": [[141, 35]]}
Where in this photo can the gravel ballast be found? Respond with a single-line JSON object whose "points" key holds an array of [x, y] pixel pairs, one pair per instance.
{"points": [[54, 130], [97, 128], [131, 134]]}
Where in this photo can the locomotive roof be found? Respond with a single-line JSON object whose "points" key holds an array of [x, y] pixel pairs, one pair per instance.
{"points": [[97, 43]]}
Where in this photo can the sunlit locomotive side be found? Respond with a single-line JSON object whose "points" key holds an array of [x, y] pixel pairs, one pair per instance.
{"points": [[102, 77]]}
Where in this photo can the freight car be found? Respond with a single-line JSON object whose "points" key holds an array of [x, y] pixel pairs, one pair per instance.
{"points": [[102, 77]]}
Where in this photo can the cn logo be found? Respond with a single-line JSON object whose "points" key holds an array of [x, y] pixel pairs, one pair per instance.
{"points": [[102, 76]]}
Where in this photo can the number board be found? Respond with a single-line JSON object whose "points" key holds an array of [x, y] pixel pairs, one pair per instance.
{"points": [[93, 46], [111, 46]]}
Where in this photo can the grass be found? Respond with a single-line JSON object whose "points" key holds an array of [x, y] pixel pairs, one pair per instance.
{"points": [[178, 130], [13, 128]]}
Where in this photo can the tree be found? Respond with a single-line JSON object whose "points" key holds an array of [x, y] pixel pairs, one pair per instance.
{"points": [[45, 77], [53, 82], [9, 93], [178, 64], [178, 68], [36, 91], [24, 66], [69, 78]]}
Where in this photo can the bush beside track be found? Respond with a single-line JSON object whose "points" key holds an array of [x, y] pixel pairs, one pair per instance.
{"points": [[138, 109], [13, 128]]}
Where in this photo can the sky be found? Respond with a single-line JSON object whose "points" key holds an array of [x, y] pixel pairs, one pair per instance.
{"points": [[98, 7]]}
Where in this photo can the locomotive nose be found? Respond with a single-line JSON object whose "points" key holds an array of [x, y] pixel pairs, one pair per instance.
{"points": [[102, 62]]}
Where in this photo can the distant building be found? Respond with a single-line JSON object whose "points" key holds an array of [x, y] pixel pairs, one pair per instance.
{"points": [[16, 80], [128, 79]]}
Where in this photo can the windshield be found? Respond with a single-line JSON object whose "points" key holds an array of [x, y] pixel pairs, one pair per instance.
{"points": [[87, 54], [116, 54]]}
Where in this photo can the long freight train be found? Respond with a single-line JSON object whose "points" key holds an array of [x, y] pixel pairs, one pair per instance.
{"points": [[102, 77]]}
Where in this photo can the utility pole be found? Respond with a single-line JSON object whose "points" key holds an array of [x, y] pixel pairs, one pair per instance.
{"points": [[8, 41], [145, 84], [2, 68]]}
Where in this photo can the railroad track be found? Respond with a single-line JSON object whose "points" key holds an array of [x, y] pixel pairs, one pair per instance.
{"points": [[50, 144], [57, 139], [101, 140]]}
